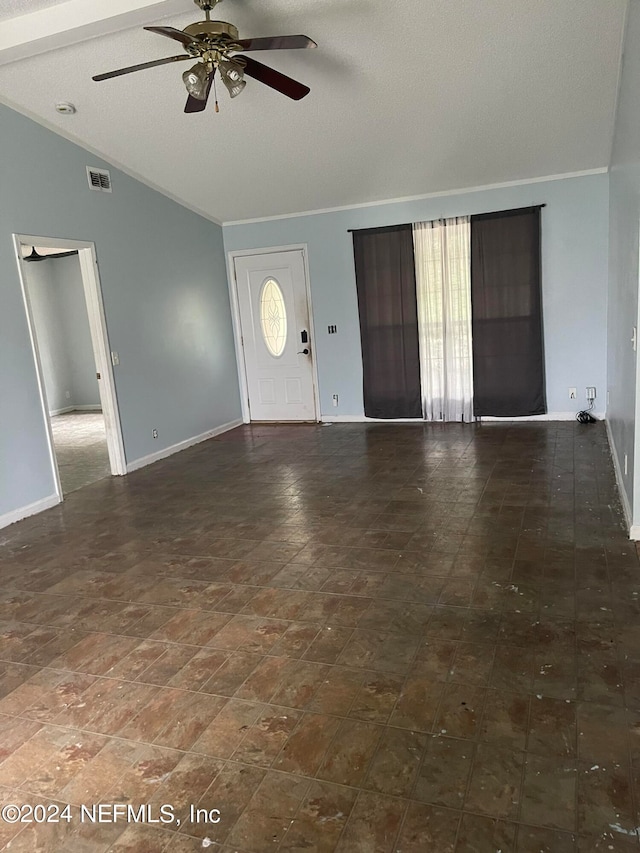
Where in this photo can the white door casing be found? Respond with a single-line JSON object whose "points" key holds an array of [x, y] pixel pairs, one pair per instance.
{"points": [[97, 325], [274, 317]]}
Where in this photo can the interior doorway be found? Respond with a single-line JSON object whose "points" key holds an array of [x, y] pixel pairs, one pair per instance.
{"points": [[63, 302]]}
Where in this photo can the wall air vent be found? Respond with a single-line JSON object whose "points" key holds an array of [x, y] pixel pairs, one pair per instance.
{"points": [[99, 179]]}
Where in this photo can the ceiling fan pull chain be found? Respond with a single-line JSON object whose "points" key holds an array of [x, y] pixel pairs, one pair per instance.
{"points": [[215, 95]]}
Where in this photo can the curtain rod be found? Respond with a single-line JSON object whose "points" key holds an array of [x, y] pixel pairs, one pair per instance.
{"points": [[441, 219]]}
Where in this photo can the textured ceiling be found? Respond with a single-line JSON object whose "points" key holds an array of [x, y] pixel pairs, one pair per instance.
{"points": [[13, 8], [406, 98]]}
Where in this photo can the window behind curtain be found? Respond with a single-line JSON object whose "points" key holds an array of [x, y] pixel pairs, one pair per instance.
{"points": [[508, 357], [386, 285], [444, 317]]}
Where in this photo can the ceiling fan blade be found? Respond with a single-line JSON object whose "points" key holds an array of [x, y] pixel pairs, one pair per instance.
{"points": [[141, 67], [270, 77], [173, 33], [196, 105], [277, 43]]}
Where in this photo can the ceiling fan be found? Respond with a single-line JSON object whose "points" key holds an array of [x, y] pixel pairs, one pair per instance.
{"points": [[212, 43]]}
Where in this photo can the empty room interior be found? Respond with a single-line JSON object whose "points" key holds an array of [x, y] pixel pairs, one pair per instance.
{"points": [[319, 508]]}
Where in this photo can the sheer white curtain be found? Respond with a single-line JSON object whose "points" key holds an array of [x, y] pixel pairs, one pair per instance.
{"points": [[443, 281]]}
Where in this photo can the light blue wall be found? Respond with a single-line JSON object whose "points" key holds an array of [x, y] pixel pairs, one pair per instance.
{"points": [[623, 266], [48, 318], [68, 277], [165, 294], [59, 310], [574, 249]]}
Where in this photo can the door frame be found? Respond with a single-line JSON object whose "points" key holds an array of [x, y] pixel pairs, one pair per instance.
{"points": [[99, 339], [237, 326]]}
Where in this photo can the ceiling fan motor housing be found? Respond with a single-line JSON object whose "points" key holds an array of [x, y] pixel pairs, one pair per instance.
{"points": [[212, 31]]}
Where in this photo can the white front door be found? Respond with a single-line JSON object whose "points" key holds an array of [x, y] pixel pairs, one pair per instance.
{"points": [[276, 339]]}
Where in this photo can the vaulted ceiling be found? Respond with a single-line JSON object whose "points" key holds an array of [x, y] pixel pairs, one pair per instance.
{"points": [[407, 98]]}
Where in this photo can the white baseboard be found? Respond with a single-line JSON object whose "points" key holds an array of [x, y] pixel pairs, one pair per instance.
{"points": [[182, 445], [97, 408], [550, 416], [25, 511], [361, 419], [634, 529]]}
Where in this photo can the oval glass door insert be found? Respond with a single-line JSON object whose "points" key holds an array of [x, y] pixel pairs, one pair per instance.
{"points": [[273, 317]]}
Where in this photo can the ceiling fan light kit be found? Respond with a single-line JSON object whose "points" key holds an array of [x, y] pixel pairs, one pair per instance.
{"points": [[232, 74], [216, 46], [196, 80]]}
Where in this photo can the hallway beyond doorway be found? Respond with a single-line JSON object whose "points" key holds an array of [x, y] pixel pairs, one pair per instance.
{"points": [[80, 441]]}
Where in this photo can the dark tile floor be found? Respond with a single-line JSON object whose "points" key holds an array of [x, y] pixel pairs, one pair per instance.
{"points": [[356, 638]]}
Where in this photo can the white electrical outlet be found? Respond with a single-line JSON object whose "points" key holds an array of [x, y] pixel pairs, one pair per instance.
{"points": [[626, 464], [154, 433], [572, 393], [115, 359], [591, 392], [335, 399]]}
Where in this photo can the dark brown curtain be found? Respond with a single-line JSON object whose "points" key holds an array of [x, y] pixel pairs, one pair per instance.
{"points": [[508, 356], [386, 284]]}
